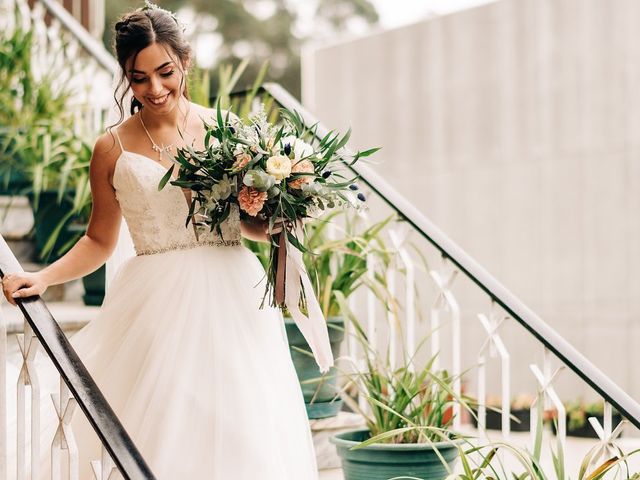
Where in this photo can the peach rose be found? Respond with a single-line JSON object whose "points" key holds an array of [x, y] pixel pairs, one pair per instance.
{"points": [[302, 166], [241, 161], [251, 200]]}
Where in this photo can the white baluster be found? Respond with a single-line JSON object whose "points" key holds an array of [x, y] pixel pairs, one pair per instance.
{"points": [[371, 305], [399, 238], [606, 436], [104, 469], [64, 439], [482, 395], [23, 15], [496, 347], [28, 377], [445, 300], [392, 318], [39, 60], [549, 398], [7, 18]]}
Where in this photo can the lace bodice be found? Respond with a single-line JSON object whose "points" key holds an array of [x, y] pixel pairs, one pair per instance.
{"points": [[156, 218]]}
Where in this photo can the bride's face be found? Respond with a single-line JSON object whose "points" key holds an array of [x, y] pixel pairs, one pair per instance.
{"points": [[157, 79]]}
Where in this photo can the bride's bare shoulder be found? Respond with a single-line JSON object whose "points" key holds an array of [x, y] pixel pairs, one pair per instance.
{"points": [[108, 148]]}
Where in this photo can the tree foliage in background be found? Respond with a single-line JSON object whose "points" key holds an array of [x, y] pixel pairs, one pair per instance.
{"points": [[265, 30]]}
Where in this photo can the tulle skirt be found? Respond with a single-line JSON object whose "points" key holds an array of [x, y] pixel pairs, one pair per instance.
{"points": [[200, 377]]}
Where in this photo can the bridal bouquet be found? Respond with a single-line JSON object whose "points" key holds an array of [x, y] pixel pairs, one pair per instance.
{"points": [[276, 177]]}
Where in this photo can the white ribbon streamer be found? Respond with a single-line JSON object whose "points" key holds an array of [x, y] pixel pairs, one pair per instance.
{"points": [[314, 326]]}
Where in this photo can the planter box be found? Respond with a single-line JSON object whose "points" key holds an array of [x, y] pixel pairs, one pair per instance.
{"points": [[318, 391], [586, 430], [385, 461], [494, 420]]}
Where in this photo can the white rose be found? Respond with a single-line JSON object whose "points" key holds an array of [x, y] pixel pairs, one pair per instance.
{"points": [[279, 167]]}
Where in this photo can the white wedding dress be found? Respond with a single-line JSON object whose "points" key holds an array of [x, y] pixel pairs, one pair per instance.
{"points": [[199, 376]]}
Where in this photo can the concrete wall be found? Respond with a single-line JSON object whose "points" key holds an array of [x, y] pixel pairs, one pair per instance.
{"points": [[515, 127]]}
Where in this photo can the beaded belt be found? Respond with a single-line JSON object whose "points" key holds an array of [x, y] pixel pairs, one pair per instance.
{"points": [[186, 246]]}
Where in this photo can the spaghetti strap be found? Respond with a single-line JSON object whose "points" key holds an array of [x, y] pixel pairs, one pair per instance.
{"points": [[115, 130]]}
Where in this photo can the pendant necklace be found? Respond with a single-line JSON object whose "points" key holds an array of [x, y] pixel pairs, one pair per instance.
{"points": [[161, 149]]}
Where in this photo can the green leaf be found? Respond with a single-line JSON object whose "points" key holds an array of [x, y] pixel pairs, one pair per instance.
{"points": [[166, 177]]}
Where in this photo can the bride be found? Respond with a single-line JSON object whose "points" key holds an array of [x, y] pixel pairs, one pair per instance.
{"points": [[200, 377]]}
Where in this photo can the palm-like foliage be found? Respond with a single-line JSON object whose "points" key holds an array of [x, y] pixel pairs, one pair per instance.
{"points": [[407, 403]]}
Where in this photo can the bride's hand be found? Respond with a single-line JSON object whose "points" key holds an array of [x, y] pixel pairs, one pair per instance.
{"points": [[22, 285]]}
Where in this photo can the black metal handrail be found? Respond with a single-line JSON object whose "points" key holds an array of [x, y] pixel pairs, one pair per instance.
{"points": [[75, 375], [545, 334]]}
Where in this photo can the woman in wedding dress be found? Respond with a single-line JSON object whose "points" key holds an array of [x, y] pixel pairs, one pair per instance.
{"points": [[200, 377]]}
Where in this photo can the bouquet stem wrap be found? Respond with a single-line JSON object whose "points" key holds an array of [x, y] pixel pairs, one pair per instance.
{"points": [[291, 278]]}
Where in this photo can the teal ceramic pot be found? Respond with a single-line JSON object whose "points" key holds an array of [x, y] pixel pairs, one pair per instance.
{"points": [[13, 182], [94, 285], [385, 461], [46, 218], [319, 393]]}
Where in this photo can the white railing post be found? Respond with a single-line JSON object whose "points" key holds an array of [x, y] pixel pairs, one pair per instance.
{"points": [[606, 436], [371, 305], [446, 300], [496, 347], [398, 239], [104, 468], [549, 397], [64, 439], [28, 377]]}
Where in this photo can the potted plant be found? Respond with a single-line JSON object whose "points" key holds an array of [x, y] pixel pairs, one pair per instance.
{"points": [[408, 419], [336, 267], [59, 193], [505, 460], [26, 101]]}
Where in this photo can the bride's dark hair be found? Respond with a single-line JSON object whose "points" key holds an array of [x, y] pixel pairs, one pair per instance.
{"points": [[135, 32]]}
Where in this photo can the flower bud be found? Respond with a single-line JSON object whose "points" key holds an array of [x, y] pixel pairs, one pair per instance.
{"points": [[287, 149], [353, 186], [326, 174], [361, 197]]}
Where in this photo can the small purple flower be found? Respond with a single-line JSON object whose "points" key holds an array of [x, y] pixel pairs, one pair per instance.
{"points": [[353, 186], [326, 174], [287, 149], [361, 197]]}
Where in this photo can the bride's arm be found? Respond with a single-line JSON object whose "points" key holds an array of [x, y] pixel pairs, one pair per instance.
{"points": [[95, 247]]}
